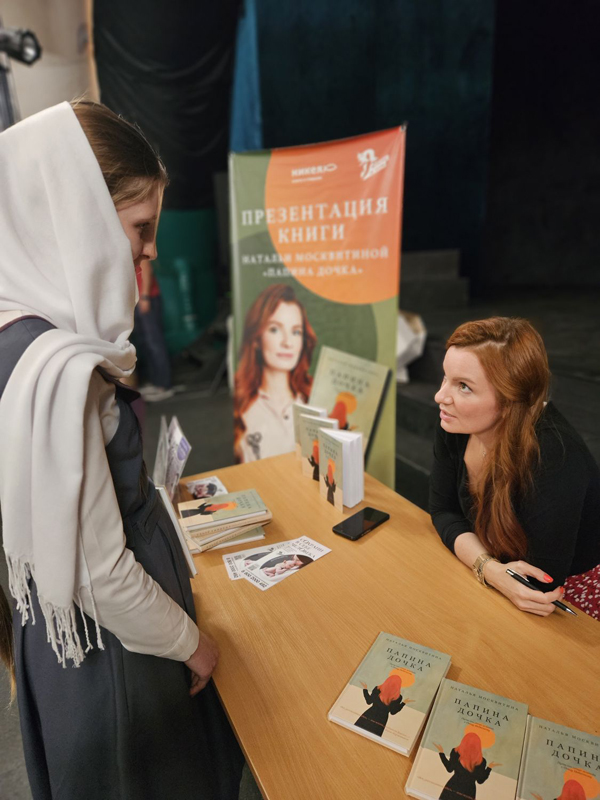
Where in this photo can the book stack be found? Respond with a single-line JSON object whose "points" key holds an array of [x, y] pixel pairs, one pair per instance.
{"points": [[341, 474], [216, 522]]}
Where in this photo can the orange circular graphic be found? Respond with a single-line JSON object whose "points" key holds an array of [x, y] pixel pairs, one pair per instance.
{"points": [[408, 677], [486, 734], [589, 784]]}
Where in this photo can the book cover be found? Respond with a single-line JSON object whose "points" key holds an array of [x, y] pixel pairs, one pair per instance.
{"points": [[558, 763], [309, 443], [471, 746], [307, 411], [331, 476], [388, 697], [231, 508], [352, 390], [283, 562]]}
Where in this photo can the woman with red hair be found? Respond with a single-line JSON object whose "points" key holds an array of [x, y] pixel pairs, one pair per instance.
{"points": [[468, 765], [277, 347], [384, 700], [513, 484]]}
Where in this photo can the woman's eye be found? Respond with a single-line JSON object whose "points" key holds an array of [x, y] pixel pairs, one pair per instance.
{"points": [[273, 329], [297, 332], [464, 388]]}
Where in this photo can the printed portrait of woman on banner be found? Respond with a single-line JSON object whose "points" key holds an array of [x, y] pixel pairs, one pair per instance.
{"points": [[277, 347]]}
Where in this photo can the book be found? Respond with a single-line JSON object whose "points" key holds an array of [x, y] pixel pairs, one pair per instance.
{"points": [[166, 501], [388, 697], [471, 746], [558, 762], [309, 442], [280, 564], [308, 411], [227, 538], [341, 468], [172, 453], [352, 389], [225, 512]]}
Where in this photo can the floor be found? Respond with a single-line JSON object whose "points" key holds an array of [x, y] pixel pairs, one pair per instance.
{"points": [[569, 322]]}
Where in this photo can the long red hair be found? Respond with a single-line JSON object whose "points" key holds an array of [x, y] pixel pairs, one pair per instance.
{"points": [[469, 751], [249, 374], [514, 359], [390, 689], [572, 790]]}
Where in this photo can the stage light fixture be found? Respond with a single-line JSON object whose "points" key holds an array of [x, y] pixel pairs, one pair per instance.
{"points": [[20, 44]]}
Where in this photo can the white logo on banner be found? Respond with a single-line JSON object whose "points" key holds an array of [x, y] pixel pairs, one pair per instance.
{"points": [[315, 173], [371, 165]]}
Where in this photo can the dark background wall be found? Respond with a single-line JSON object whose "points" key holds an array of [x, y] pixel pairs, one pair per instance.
{"points": [[501, 100], [544, 183], [336, 69]]}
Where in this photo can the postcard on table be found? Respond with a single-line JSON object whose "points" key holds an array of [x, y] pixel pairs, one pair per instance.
{"points": [[283, 562]]}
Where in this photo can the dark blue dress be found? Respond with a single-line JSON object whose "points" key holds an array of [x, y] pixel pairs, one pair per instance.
{"points": [[122, 726]]}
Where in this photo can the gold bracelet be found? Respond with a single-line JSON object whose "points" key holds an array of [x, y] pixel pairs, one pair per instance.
{"points": [[478, 566]]}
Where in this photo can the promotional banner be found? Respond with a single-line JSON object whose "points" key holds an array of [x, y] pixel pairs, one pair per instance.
{"points": [[316, 261]]}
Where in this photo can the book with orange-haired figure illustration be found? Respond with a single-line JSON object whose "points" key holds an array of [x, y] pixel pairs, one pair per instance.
{"points": [[224, 512], [471, 747], [309, 442], [388, 697], [342, 481], [548, 767], [352, 389]]}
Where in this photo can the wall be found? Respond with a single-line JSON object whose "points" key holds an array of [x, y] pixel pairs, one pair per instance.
{"points": [[544, 199], [336, 69], [63, 72]]}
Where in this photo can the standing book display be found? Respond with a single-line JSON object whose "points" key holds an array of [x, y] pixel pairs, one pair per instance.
{"points": [[342, 476], [307, 411], [309, 442], [388, 697], [471, 746], [352, 389]]}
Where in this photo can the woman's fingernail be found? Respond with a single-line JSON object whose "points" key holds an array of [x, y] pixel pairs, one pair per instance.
{"points": [[547, 578], [562, 589]]}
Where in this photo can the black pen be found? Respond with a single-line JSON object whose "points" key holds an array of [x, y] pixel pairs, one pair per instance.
{"points": [[522, 579]]}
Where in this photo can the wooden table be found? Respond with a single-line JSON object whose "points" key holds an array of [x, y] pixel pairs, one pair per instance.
{"points": [[287, 653]]}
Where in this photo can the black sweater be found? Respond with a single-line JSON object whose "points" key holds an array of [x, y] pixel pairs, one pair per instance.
{"points": [[560, 515]]}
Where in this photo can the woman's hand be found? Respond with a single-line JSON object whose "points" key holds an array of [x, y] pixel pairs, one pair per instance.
{"points": [[144, 305], [408, 701], [531, 600], [202, 663], [363, 684], [493, 764], [438, 747]]}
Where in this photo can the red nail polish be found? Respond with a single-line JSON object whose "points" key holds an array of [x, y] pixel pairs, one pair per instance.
{"points": [[562, 589], [547, 578]]}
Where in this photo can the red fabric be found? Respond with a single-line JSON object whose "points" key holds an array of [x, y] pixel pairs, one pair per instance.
{"points": [[583, 592]]}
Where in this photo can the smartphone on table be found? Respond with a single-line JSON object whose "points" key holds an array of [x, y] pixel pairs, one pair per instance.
{"points": [[360, 523]]}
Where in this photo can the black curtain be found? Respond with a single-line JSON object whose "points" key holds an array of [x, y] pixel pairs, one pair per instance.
{"points": [[167, 66]]}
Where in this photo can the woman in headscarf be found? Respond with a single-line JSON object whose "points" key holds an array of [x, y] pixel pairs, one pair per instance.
{"points": [[108, 660]]}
